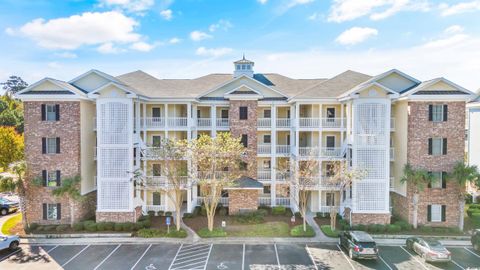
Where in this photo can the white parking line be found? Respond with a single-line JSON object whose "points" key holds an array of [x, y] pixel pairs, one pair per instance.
{"points": [[48, 251], [467, 249], [208, 257], [179, 248], [141, 256], [203, 249], [345, 256], [106, 258], [414, 257], [311, 257], [385, 262], [276, 254], [243, 258], [458, 265], [75, 256]]}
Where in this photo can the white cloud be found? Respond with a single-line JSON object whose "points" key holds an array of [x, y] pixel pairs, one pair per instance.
{"points": [[315, 16], [136, 6], [109, 48], [174, 40], [293, 3], [54, 65], [459, 8], [166, 14], [356, 35], [142, 46], [347, 10], [452, 36], [263, 2], [89, 28], [199, 35], [454, 29], [213, 52], [221, 24], [69, 55]]}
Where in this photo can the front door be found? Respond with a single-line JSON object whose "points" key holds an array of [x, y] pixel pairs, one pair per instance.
{"points": [[330, 142], [330, 114]]}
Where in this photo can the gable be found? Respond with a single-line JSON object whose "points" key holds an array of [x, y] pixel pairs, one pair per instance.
{"points": [[47, 86], [243, 84], [112, 91], [374, 91], [90, 82], [396, 82], [440, 86]]}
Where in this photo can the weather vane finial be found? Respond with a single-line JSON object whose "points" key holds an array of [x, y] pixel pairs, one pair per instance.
{"points": [[243, 56]]}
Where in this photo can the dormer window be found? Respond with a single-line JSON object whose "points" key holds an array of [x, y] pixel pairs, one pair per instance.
{"points": [[243, 67]]}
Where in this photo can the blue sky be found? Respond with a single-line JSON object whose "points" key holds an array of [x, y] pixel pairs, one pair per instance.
{"points": [[190, 38]]}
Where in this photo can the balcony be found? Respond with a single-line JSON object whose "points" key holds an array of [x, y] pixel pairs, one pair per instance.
{"points": [[223, 201], [327, 209], [310, 122], [177, 121], [264, 149], [153, 153], [332, 152], [155, 208], [264, 122], [283, 122], [223, 123], [204, 122], [285, 201], [281, 176], [264, 175], [162, 181], [333, 122], [323, 182], [211, 175], [159, 122], [283, 149], [264, 201]]}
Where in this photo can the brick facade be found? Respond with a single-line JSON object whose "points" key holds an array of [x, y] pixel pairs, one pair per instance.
{"points": [[420, 129], [248, 127], [242, 199], [283, 190], [67, 161], [367, 219], [119, 216]]}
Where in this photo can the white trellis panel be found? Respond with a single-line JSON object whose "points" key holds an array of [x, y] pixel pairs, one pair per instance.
{"points": [[114, 195], [114, 119]]}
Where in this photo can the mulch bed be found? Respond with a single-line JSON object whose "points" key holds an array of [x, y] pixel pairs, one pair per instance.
{"points": [[18, 229], [325, 221], [161, 223]]}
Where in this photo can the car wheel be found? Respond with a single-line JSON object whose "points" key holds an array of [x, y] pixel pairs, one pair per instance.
{"points": [[350, 254], [3, 212], [13, 245]]}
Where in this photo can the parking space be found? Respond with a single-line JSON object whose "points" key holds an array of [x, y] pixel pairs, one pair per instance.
{"points": [[169, 256]]}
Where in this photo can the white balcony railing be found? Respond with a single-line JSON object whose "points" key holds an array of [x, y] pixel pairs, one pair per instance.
{"points": [[223, 201], [162, 181], [211, 175], [320, 152], [282, 201], [331, 152], [283, 149], [177, 121], [264, 122], [152, 122], [264, 174], [312, 122], [308, 151], [327, 209], [283, 122], [264, 149], [264, 201], [333, 122], [281, 176], [392, 154], [309, 122], [156, 208], [204, 122], [222, 122]]}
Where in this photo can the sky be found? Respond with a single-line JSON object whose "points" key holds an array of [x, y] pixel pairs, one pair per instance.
{"points": [[190, 38]]}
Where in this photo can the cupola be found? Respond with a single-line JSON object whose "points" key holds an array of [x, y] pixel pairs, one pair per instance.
{"points": [[243, 67]]}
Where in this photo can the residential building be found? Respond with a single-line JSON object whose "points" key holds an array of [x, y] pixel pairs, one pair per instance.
{"points": [[473, 144], [109, 127]]}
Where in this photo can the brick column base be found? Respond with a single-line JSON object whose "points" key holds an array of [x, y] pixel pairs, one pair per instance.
{"points": [[119, 216], [242, 200], [366, 219]]}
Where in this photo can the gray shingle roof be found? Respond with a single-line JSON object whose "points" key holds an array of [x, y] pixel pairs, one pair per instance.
{"points": [[246, 182]]}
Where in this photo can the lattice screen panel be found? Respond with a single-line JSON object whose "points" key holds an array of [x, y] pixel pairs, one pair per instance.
{"points": [[371, 196], [370, 126], [114, 195], [373, 162], [115, 162], [114, 123]]}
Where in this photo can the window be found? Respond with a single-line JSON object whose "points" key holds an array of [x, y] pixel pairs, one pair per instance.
{"points": [[244, 140], [51, 211], [50, 112], [156, 140], [266, 190], [238, 67], [199, 114], [243, 113], [224, 114], [156, 198], [267, 113], [437, 113], [267, 138], [330, 199], [157, 169], [51, 178], [330, 141], [436, 213], [50, 145], [288, 139], [267, 164], [156, 112], [439, 180], [437, 146], [330, 114], [288, 113], [329, 170]]}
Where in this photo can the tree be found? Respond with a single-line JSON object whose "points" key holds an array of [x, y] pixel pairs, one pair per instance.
{"points": [[464, 174], [417, 179], [19, 185], [14, 84], [11, 147], [212, 157], [11, 113], [70, 188], [172, 155]]}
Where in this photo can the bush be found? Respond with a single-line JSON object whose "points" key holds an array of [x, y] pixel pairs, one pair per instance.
{"points": [[278, 210], [187, 215], [322, 215], [265, 207], [168, 214], [216, 232], [40, 228], [471, 211], [343, 225], [249, 218], [161, 213], [91, 227], [118, 227], [196, 211], [393, 228], [143, 217], [360, 227], [50, 228], [426, 229], [222, 212], [262, 212], [109, 226], [474, 206], [298, 215], [147, 223], [404, 226], [101, 226], [468, 198], [288, 212], [128, 226], [33, 226], [327, 230], [440, 230], [297, 231], [78, 226], [150, 233], [151, 213], [380, 228]]}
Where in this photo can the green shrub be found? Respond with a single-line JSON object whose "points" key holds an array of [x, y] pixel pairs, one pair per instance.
{"points": [[161, 213], [168, 214], [151, 213], [474, 206], [109, 226], [50, 228], [322, 215], [380, 228], [151, 233], [40, 228], [298, 215], [426, 229], [265, 207], [101, 226], [404, 226], [288, 212], [33, 226], [343, 225], [278, 210], [196, 210], [249, 218], [118, 227], [222, 212], [78, 226], [359, 227], [147, 223], [62, 228], [143, 217], [187, 215], [468, 199], [298, 231], [393, 228], [128, 226], [472, 211], [262, 212], [216, 232], [327, 230], [91, 227]]}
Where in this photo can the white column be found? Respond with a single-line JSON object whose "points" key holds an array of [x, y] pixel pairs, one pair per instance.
{"points": [[273, 160], [189, 116], [297, 127], [214, 120], [166, 121]]}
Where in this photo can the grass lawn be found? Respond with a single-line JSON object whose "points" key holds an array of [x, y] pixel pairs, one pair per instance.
{"points": [[153, 233], [10, 223], [327, 230]]}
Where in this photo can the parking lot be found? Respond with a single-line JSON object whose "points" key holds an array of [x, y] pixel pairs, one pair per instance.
{"points": [[167, 256]]}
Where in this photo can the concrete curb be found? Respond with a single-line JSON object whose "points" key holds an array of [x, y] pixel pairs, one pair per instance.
{"points": [[405, 236], [77, 235]]}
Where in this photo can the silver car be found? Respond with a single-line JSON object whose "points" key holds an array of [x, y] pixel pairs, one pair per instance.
{"points": [[429, 249], [9, 241]]}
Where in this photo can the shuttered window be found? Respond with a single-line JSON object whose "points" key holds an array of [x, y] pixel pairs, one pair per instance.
{"points": [[51, 211], [436, 213], [438, 113], [437, 146], [50, 112], [50, 145], [243, 113], [244, 140]]}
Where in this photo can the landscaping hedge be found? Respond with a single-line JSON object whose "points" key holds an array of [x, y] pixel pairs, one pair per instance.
{"points": [[278, 210], [216, 232], [327, 230], [298, 231], [152, 233], [254, 217]]}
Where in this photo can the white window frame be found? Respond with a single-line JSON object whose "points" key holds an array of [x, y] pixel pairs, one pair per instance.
{"points": [[437, 183], [51, 145], [439, 143], [330, 197], [437, 113], [50, 112], [52, 211], [51, 180], [436, 213]]}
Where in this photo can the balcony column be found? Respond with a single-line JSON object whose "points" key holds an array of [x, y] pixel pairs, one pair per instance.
{"points": [[214, 120], [342, 125], [348, 121], [190, 126], [273, 160], [144, 122], [297, 125], [189, 116]]}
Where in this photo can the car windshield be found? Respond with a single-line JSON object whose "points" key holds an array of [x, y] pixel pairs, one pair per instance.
{"points": [[435, 245], [367, 244]]}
